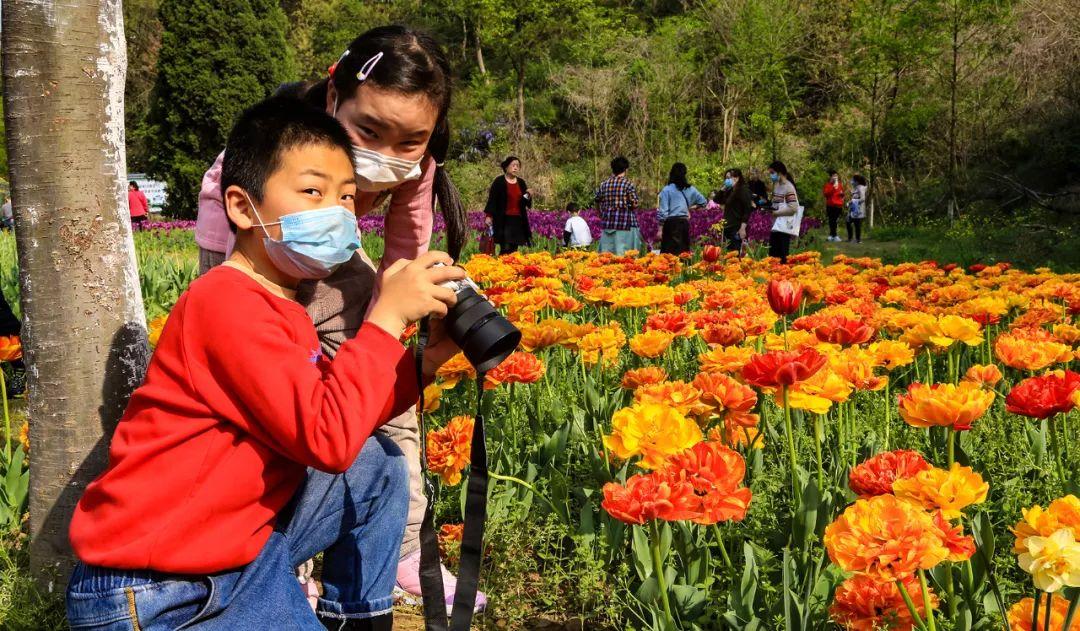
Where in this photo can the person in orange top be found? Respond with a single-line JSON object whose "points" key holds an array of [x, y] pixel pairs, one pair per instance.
{"points": [[834, 202], [246, 451]]}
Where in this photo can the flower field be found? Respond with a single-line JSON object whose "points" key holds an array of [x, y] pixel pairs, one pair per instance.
{"points": [[727, 443], [723, 443]]}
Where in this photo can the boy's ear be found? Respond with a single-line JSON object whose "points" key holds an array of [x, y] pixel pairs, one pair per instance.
{"points": [[238, 208]]}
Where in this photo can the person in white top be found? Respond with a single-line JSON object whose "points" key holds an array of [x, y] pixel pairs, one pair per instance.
{"points": [[785, 210], [576, 233]]}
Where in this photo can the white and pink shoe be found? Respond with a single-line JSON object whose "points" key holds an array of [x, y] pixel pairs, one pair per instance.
{"points": [[408, 589]]}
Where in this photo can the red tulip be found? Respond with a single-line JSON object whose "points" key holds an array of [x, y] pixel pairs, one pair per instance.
{"points": [[784, 296], [782, 368], [1044, 396], [711, 253], [841, 330]]}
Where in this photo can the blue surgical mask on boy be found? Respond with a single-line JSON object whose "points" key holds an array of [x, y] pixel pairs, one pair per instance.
{"points": [[313, 243], [775, 177]]}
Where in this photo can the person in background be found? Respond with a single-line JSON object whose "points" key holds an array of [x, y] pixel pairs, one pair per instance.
{"points": [[617, 198], [737, 209], [576, 233], [714, 202], [508, 206], [834, 202], [7, 214], [137, 204], [856, 208], [785, 210], [673, 214], [759, 194]]}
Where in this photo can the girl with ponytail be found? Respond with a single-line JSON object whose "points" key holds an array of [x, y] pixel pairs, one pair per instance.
{"points": [[391, 91]]}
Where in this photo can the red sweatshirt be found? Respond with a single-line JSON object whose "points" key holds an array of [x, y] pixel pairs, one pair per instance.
{"points": [[834, 194], [237, 402]]}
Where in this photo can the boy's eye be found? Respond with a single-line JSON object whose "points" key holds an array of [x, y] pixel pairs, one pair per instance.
{"points": [[314, 192], [348, 197], [367, 131]]}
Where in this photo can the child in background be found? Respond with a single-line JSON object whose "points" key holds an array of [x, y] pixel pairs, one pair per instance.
{"points": [[856, 208], [576, 233], [246, 452]]}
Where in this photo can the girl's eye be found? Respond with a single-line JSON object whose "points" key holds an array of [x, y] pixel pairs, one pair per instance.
{"points": [[314, 192], [348, 197]]}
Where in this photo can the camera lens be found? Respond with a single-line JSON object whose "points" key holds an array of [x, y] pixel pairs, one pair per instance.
{"points": [[484, 336]]}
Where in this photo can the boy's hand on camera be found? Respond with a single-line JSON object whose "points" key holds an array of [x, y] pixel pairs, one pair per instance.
{"points": [[410, 290]]}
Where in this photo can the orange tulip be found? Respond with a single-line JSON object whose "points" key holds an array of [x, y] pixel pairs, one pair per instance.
{"points": [[1029, 350], [987, 375], [729, 359], [885, 538], [517, 368], [637, 377], [652, 343], [877, 474], [864, 604], [722, 335], [675, 394], [449, 449], [724, 393], [454, 370], [1063, 512], [646, 497], [944, 404], [1020, 615], [716, 473], [678, 323], [10, 348], [947, 491]]}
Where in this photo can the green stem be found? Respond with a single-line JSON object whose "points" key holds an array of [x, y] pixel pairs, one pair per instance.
{"points": [[658, 567], [510, 478], [791, 449], [1071, 613], [950, 593], [1049, 611], [888, 410], [1055, 444], [818, 422], [1035, 612], [910, 605], [783, 319], [952, 446], [723, 548], [7, 416], [930, 624]]}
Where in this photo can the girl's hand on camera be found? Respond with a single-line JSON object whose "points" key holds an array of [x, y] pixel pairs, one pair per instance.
{"points": [[411, 290]]}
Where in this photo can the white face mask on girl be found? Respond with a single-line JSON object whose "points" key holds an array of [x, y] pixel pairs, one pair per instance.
{"points": [[377, 172]]}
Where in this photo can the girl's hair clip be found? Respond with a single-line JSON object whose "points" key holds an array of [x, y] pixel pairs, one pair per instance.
{"points": [[369, 65], [334, 66]]}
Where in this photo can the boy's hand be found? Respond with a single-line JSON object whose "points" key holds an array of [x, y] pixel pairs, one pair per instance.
{"points": [[440, 348], [410, 290]]}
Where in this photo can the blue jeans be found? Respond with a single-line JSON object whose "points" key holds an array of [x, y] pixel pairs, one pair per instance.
{"points": [[357, 517]]}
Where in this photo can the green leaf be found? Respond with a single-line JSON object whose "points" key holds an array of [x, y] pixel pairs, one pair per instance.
{"points": [[689, 601], [642, 554]]}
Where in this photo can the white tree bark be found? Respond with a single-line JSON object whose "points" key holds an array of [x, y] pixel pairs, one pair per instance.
{"points": [[84, 332]]}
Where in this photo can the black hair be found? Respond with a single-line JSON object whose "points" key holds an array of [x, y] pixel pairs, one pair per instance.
{"points": [[677, 176], [619, 165], [780, 168], [505, 164], [412, 63], [571, 207], [859, 179], [265, 131], [134, 183], [833, 172]]}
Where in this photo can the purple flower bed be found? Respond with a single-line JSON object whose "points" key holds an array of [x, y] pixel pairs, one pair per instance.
{"points": [[163, 225], [550, 223]]}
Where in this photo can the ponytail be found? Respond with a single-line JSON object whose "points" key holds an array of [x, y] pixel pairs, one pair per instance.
{"points": [[447, 197]]}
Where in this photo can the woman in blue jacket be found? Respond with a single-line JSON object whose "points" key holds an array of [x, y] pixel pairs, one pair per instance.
{"points": [[676, 200]]}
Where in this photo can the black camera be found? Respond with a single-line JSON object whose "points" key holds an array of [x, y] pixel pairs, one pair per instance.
{"points": [[484, 336]]}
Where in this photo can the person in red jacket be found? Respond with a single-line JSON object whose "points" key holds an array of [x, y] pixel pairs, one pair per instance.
{"points": [[137, 204], [245, 451], [834, 202]]}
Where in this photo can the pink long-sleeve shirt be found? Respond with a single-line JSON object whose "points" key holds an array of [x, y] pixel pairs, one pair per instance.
{"points": [[407, 231]]}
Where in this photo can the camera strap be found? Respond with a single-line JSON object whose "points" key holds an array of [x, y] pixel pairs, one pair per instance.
{"points": [[472, 538]]}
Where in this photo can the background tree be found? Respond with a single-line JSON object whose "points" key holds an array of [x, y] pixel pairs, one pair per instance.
{"points": [[217, 57], [84, 332]]}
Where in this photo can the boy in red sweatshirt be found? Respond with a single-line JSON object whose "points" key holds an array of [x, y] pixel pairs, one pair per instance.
{"points": [[245, 452]]}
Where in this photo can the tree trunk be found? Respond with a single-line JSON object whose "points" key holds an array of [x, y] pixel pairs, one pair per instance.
{"points": [[84, 333], [953, 79], [521, 97], [479, 53]]}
